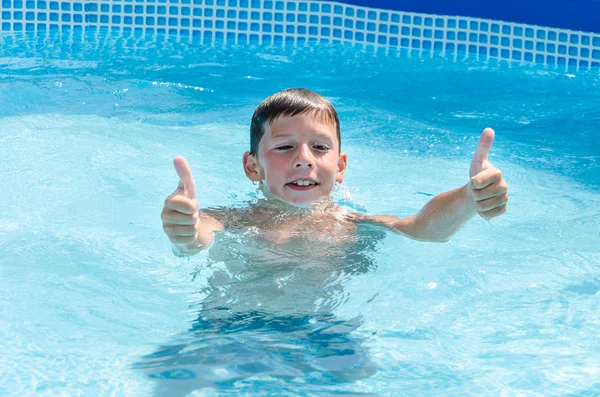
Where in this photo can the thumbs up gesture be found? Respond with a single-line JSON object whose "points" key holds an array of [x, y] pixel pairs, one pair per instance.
{"points": [[180, 217], [487, 187]]}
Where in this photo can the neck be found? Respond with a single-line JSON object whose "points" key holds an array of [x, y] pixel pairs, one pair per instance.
{"points": [[322, 204]]}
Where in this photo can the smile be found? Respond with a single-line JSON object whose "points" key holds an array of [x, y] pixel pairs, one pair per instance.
{"points": [[302, 184]]}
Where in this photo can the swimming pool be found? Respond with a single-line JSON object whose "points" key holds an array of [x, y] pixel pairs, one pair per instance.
{"points": [[94, 303]]}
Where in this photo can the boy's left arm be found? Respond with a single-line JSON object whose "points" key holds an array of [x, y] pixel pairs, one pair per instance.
{"points": [[486, 194]]}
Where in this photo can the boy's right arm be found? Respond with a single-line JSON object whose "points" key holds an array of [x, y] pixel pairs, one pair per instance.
{"points": [[189, 230]]}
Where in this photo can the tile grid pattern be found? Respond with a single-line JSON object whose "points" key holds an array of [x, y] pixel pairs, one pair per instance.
{"points": [[294, 21]]}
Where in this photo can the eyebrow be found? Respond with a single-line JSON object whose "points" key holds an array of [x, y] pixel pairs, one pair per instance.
{"points": [[319, 134]]}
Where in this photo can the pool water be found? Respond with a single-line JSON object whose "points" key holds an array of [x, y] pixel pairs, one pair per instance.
{"points": [[94, 302]]}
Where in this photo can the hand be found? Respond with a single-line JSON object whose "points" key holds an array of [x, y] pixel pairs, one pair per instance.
{"points": [[487, 187], [180, 217]]}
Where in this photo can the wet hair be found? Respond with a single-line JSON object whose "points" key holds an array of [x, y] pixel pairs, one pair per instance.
{"points": [[288, 103]]}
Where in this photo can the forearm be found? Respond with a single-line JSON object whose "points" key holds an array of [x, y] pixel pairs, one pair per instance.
{"points": [[438, 220]]}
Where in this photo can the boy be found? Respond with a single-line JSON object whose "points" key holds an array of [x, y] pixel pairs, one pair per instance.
{"points": [[296, 158]]}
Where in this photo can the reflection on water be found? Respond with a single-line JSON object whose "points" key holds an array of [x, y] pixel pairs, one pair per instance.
{"points": [[269, 315]]}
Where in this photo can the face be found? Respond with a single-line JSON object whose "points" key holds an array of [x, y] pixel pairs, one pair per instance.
{"points": [[298, 159]]}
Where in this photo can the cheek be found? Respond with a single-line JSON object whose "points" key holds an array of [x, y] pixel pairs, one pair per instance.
{"points": [[271, 164]]}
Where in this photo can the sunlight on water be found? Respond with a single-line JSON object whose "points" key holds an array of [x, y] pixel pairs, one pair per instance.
{"points": [[94, 302]]}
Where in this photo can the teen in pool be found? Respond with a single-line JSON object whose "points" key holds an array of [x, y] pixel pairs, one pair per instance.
{"points": [[295, 156]]}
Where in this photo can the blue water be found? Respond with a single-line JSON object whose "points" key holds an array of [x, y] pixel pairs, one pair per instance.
{"points": [[93, 302]]}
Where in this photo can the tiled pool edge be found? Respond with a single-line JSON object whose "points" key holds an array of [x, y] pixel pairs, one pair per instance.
{"points": [[267, 21]]}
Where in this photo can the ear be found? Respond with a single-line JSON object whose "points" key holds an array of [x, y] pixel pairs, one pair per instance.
{"points": [[339, 177], [251, 167]]}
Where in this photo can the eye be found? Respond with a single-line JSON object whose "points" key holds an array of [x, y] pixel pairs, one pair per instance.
{"points": [[284, 147], [322, 148]]}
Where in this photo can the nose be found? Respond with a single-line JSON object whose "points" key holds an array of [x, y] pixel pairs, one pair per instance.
{"points": [[305, 158]]}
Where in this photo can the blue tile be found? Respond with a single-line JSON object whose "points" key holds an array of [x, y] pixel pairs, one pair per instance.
{"points": [[438, 34], [439, 23], [539, 46], [506, 29], [338, 10], [541, 34], [372, 15], [495, 28], [505, 42], [416, 32], [370, 27], [462, 24], [462, 36], [573, 51], [494, 40], [450, 47], [516, 55], [585, 40], [438, 45], [394, 29], [595, 54], [406, 19], [428, 21], [396, 18], [562, 49], [517, 43], [451, 35], [426, 44], [427, 33], [539, 58], [574, 39], [585, 52], [474, 25], [505, 54], [552, 35], [349, 12], [528, 56], [562, 37], [473, 37], [528, 44], [360, 14], [384, 17], [596, 41]]}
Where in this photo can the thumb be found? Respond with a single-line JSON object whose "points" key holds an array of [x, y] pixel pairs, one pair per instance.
{"points": [[185, 177], [481, 154]]}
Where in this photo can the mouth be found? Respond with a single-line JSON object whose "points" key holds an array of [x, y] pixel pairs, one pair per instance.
{"points": [[302, 184]]}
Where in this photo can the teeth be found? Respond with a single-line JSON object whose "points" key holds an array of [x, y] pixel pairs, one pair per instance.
{"points": [[304, 183]]}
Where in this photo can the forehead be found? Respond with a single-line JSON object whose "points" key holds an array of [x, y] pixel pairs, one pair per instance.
{"points": [[300, 125]]}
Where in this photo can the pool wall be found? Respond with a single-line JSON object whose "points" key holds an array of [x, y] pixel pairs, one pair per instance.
{"points": [[267, 21]]}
